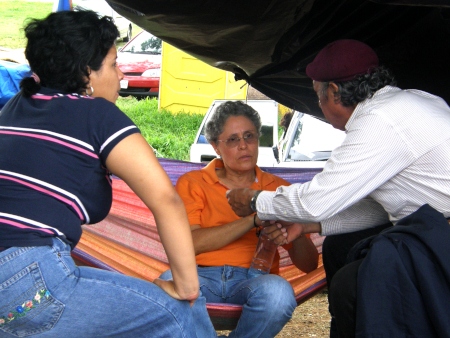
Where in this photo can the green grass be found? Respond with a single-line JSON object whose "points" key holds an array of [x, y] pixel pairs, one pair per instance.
{"points": [[13, 15], [170, 134]]}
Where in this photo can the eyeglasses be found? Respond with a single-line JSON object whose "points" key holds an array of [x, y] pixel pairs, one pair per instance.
{"points": [[234, 141]]}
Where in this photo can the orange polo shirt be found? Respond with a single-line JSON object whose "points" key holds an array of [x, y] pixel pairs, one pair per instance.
{"points": [[206, 204]]}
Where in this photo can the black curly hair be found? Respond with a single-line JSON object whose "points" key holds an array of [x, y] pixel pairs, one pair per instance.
{"points": [[64, 46], [350, 93]]}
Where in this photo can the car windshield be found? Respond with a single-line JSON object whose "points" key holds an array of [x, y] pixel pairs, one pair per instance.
{"points": [[313, 140], [144, 43]]}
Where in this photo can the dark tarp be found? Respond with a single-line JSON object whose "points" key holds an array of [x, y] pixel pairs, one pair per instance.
{"points": [[269, 42]]}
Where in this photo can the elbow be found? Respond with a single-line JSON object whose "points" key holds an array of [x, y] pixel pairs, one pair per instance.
{"points": [[189, 295], [308, 260], [312, 264]]}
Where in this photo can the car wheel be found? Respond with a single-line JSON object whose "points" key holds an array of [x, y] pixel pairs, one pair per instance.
{"points": [[128, 37]]}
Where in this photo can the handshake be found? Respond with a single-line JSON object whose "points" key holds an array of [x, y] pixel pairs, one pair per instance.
{"points": [[243, 203]]}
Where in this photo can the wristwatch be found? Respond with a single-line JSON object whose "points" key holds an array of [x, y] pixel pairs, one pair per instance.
{"points": [[253, 201]]}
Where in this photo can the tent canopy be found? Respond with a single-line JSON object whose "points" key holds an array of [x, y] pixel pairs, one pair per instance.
{"points": [[269, 42]]}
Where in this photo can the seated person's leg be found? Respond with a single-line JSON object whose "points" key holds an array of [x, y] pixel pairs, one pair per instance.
{"points": [[210, 279], [203, 325], [268, 303], [335, 249], [342, 298]]}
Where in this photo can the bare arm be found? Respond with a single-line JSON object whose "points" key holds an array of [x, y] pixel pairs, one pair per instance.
{"points": [[214, 238], [304, 254], [133, 160]]}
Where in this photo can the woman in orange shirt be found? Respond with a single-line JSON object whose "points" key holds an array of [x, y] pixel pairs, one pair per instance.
{"points": [[224, 242]]}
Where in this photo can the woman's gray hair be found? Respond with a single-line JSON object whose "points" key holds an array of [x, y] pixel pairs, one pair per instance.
{"points": [[215, 125]]}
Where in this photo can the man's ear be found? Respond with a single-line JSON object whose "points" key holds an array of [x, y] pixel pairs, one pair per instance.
{"points": [[334, 90]]}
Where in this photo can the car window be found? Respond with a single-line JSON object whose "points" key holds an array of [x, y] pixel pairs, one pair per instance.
{"points": [[144, 43], [313, 140]]}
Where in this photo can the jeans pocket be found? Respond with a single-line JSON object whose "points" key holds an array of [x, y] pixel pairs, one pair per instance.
{"points": [[26, 306]]}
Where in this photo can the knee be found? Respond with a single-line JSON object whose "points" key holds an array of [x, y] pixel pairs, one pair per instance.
{"points": [[335, 290], [343, 288], [277, 291]]}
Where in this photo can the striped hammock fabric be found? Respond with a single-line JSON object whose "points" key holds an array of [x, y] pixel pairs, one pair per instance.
{"points": [[127, 241]]}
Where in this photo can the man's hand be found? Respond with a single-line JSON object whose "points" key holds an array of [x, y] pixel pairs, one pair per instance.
{"points": [[292, 230], [239, 200], [275, 231]]}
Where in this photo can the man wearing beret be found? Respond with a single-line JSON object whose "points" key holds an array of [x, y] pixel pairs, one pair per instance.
{"points": [[395, 158]]}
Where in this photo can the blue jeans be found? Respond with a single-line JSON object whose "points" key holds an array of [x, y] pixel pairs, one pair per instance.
{"points": [[47, 295], [267, 300]]}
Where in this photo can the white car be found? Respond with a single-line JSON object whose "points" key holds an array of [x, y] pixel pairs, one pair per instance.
{"points": [[308, 141], [101, 7]]}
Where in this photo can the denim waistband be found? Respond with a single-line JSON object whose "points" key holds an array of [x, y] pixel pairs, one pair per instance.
{"points": [[57, 244]]}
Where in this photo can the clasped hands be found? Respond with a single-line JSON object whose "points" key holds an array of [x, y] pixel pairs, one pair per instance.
{"points": [[281, 232]]}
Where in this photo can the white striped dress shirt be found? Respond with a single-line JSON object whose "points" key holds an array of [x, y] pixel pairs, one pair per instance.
{"points": [[394, 159]]}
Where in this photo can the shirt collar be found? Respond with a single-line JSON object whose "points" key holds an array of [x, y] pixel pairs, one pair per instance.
{"points": [[361, 107], [210, 175]]}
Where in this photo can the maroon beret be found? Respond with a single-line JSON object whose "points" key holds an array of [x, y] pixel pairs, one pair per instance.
{"points": [[342, 60]]}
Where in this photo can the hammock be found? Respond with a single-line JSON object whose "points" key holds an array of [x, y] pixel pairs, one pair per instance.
{"points": [[127, 241]]}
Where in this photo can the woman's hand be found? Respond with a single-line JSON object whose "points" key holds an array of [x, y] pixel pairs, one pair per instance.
{"points": [[169, 287]]}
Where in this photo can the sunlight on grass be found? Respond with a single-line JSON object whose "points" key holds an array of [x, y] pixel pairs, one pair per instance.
{"points": [[13, 16], [15, 13], [170, 134]]}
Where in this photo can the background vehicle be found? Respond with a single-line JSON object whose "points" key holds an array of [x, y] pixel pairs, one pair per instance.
{"points": [[202, 151], [308, 141], [140, 61], [103, 8]]}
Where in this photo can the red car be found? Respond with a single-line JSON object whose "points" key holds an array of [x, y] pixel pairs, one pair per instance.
{"points": [[140, 62]]}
